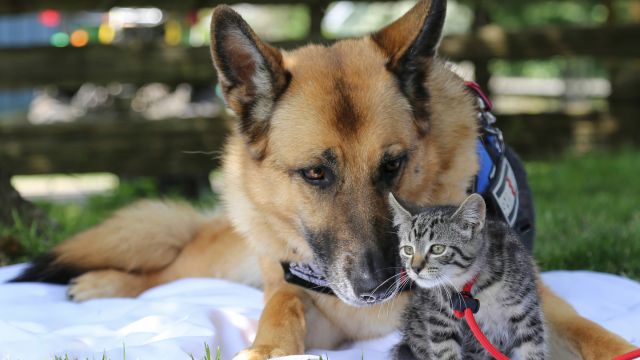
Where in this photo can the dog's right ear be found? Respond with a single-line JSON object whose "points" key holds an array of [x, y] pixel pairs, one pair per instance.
{"points": [[250, 72], [410, 44]]}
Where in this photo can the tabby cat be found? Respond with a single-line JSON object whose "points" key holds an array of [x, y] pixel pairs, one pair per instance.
{"points": [[443, 248]]}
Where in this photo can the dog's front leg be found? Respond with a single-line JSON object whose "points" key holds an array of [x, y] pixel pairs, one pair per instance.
{"points": [[282, 327]]}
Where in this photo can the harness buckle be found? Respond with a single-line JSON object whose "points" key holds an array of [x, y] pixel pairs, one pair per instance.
{"points": [[464, 301]]}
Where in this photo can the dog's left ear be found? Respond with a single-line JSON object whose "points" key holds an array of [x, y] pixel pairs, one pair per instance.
{"points": [[250, 72], [411, 43]]}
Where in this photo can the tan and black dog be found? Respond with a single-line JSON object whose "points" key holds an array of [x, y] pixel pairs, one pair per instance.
{"points": [[323, 134]]}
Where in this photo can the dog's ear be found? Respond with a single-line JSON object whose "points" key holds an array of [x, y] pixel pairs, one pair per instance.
{"points": [[411, 43], [250, 72]]}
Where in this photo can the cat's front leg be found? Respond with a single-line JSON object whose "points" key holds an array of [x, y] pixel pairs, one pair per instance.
{"points": [[529, 344], [445, 337], [528, 351], [403, 351]]}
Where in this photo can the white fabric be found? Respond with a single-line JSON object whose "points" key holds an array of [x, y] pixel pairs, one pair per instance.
{"points": [[175, 320]]}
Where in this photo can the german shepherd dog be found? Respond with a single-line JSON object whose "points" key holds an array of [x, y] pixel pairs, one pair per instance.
{"points": [[323, 135]]}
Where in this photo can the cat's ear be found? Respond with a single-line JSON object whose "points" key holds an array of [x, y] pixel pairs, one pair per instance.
{"points": [[472, 212], [250, 72], [400, 214]]}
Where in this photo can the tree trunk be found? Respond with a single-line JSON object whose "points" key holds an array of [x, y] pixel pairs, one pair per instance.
{"points": [[14, 208]]}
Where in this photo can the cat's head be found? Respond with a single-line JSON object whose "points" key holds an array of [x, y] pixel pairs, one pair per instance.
{"points": [[439, 245]]}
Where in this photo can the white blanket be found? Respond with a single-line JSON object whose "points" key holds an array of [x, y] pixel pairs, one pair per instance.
{"points": [[175, 320]]}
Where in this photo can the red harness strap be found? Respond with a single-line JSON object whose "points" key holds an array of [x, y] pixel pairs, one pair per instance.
{"points": [[635, 354], [466, 311], [468, 305]]}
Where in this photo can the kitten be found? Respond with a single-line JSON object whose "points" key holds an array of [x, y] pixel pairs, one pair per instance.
{"points": [[443, 248]]}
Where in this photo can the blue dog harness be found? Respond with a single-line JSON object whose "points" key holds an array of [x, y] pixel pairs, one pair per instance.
{"points": [[495, 181]]}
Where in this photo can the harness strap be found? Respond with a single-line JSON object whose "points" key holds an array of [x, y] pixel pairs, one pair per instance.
{"points": [[495, 180], [635, 354], [465, 300], [466, 308], [477, 332]]}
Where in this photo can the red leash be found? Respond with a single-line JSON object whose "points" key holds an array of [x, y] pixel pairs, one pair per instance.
{"points": [[466, 305], [635, 354]]}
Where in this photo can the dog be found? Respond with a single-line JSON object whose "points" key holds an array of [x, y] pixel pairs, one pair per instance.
{"points": [[323, 135]]}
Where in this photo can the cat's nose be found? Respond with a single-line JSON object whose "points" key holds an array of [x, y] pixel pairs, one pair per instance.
{"points": [[417, 264]]}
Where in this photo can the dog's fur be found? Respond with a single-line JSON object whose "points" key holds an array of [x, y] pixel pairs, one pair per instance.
{"points": [[352, 111]]}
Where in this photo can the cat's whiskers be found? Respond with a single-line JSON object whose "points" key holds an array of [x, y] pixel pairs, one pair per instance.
{"points": [[444, 288], [400, 286], [457, 293], [403, 283], [392, 277], [391, 289]]}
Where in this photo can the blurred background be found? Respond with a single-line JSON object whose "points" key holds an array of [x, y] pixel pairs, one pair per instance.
{"points": [[105, 102]]}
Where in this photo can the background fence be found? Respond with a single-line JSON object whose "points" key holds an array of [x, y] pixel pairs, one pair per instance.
{"points": [[94, 110]]}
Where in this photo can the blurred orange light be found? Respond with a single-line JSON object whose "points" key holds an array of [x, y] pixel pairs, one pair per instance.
{"points": [[79, 38]]}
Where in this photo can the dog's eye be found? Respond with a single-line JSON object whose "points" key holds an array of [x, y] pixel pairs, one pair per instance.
{"points": [[314, 174], [392, 166], [318, 175]]}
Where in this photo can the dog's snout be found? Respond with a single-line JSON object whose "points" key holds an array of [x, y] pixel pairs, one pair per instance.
{"points": [[369, 299], [373, 278]]}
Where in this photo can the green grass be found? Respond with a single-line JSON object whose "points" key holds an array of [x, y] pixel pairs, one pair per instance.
{"points": [[207, 355], [70, 218], [588, 213]]}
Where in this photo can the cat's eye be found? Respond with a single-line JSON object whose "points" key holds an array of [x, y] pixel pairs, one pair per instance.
{"points": [[407, 250], [437, 249]]}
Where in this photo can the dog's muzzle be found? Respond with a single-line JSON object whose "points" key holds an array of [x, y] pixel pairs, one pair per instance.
{"points": [[369, 282], [372, 279]]}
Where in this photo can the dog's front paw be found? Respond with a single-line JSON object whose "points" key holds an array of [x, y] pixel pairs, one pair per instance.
{"points": [[260, 353]]}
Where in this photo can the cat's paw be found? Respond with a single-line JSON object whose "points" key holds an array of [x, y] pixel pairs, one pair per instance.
{"points": [[260, 353]]}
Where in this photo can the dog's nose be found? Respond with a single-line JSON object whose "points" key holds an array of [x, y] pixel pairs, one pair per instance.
{"points": [[373, 278]]}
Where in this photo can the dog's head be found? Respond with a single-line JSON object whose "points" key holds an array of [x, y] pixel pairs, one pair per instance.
{"points": [[325, 133]]}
